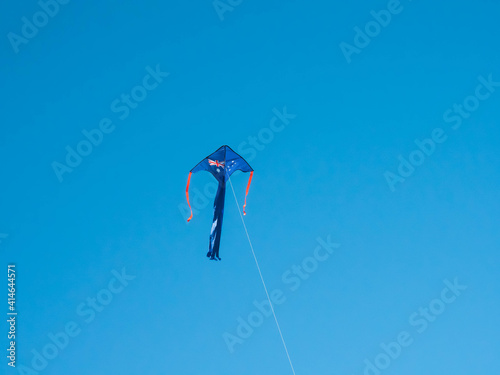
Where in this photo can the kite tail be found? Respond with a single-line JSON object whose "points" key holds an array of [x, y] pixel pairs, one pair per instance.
{"points": [[248, 187], [215, 233], [187, 196]]}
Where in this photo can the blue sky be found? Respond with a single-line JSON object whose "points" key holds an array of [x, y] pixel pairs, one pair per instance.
{"points": [[119, 209]]}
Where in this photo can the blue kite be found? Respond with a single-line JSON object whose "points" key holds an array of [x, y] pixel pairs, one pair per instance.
{"points": [[222, 164]]}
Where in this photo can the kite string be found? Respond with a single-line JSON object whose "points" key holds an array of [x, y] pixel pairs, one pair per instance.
{"points": [[262, 278]]}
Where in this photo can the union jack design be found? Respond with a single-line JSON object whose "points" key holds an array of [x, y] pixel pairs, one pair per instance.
{"points": [[216, 163]]}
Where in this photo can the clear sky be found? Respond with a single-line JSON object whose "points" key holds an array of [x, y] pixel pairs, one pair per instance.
{"points": [[374, 131]]}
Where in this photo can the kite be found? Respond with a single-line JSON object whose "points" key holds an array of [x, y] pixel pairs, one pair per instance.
{"points": [[222, 164]]}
